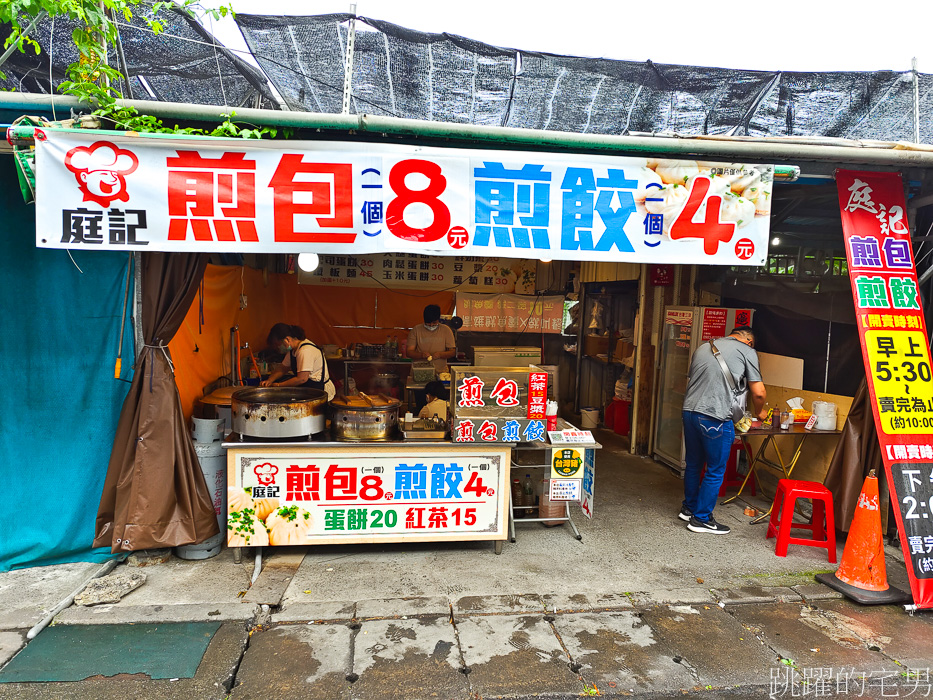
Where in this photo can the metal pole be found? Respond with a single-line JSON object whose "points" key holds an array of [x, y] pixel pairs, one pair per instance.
{"points": [[348, 61], [829, 337], [137, 304], [126, 295], [122, 58], [103, 570], [581, 319], [9, 52], [752, 151], [913, 67]]}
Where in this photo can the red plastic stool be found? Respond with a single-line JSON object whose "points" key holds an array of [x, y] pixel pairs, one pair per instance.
{"points": [[782, 517], [732, 476]]}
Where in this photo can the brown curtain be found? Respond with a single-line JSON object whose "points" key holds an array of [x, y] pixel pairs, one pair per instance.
{"points": [[857, 453], [154, 494]]}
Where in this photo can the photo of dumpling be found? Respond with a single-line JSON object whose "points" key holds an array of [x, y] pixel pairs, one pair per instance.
{"points": [[646, 179], [289, 525], [717, 183], [737, 209], [244, 529], [265, 506], [238, 499], [676, 171]]}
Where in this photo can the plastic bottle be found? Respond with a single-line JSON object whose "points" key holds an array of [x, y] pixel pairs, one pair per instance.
{"points": [[387, 348], [528, 495], [517, 497]]}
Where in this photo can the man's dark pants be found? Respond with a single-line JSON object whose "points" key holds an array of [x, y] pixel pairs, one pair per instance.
{"points": [[707, 441]]}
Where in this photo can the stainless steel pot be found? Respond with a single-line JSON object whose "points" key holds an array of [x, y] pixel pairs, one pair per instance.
{"points": [[354, 423], [278, 412]]}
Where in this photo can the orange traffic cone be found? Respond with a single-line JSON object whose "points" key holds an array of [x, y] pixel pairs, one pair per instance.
{"points": [[861, 575]]}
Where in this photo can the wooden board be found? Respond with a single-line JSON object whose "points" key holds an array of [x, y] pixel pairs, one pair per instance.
{"points": [[781, 370], [276, 574]]}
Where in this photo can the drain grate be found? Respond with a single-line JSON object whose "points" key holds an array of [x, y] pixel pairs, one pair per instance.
{"points": [[76, 652]]}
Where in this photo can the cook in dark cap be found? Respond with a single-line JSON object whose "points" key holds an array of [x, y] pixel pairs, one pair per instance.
{"points": [[432, 340]]}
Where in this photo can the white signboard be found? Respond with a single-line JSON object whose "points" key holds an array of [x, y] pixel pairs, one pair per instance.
{"points": [[327, 495], [565, 489], [106, 191], [564, 437]]}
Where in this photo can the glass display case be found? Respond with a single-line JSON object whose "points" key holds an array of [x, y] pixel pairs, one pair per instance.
{"points": [[683, 330]]}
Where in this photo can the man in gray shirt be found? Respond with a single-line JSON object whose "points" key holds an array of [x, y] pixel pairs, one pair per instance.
{"points": [[708, 428]]}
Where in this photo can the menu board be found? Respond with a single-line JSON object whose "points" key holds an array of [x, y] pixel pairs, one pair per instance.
{"points": [[414, 271], [490, 404], [511, 313]]}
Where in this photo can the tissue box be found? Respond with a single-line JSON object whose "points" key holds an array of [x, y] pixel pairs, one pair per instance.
{"points": [[801, 415]]}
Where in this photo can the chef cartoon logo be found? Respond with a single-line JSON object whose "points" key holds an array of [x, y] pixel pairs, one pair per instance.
{"points": [[265, 473], [101, 171]]}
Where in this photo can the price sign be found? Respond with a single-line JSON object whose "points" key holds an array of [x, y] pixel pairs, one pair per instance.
{"points": [[565, 489], [427, 202], [914, 487], [900, 363]]}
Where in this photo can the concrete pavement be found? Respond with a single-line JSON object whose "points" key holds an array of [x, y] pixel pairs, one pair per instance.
{"points": [[640, 607], [518, 647]]}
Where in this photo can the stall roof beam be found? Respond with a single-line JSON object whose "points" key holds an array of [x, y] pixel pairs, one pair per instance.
{"points": [[744, 149]]}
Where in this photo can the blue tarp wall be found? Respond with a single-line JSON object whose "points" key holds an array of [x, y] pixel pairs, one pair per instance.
{"points": [[59, 330]]}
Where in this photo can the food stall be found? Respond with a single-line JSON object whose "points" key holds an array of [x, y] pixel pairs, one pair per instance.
{"points": [[187, 218], [362, 474], [366, 478]]}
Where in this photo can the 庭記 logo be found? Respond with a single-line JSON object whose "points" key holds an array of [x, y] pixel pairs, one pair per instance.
{"points": [[101, 171]]}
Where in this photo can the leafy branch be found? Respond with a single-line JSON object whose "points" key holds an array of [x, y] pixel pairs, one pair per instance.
{"points": [[91, 79]]}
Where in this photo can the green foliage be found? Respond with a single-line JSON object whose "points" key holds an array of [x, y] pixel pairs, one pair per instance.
{"points": [[90, 79], [129, 119]]}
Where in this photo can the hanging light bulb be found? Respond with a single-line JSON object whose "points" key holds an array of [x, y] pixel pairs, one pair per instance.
{"points": [[775, 241], [308, 262]]}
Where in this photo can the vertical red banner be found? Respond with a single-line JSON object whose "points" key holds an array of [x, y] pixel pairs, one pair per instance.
{"points": [[537, 394], [896, 352]]}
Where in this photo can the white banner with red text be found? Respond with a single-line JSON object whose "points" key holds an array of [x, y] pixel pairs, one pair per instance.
{"points": [[106, 191]]}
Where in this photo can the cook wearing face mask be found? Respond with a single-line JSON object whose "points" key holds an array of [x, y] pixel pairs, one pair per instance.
{"points": [[304, 364], [432, 340]]}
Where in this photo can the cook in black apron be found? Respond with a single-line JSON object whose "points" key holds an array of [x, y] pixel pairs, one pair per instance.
{"points": [[293, 365]]}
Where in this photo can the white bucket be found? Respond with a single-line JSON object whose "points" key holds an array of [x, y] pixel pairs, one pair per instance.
{"points": [[589, 418], [825, 412]]}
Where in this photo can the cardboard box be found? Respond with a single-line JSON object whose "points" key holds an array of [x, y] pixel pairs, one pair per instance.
{"points": [[623, 350], [595, 345]]}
